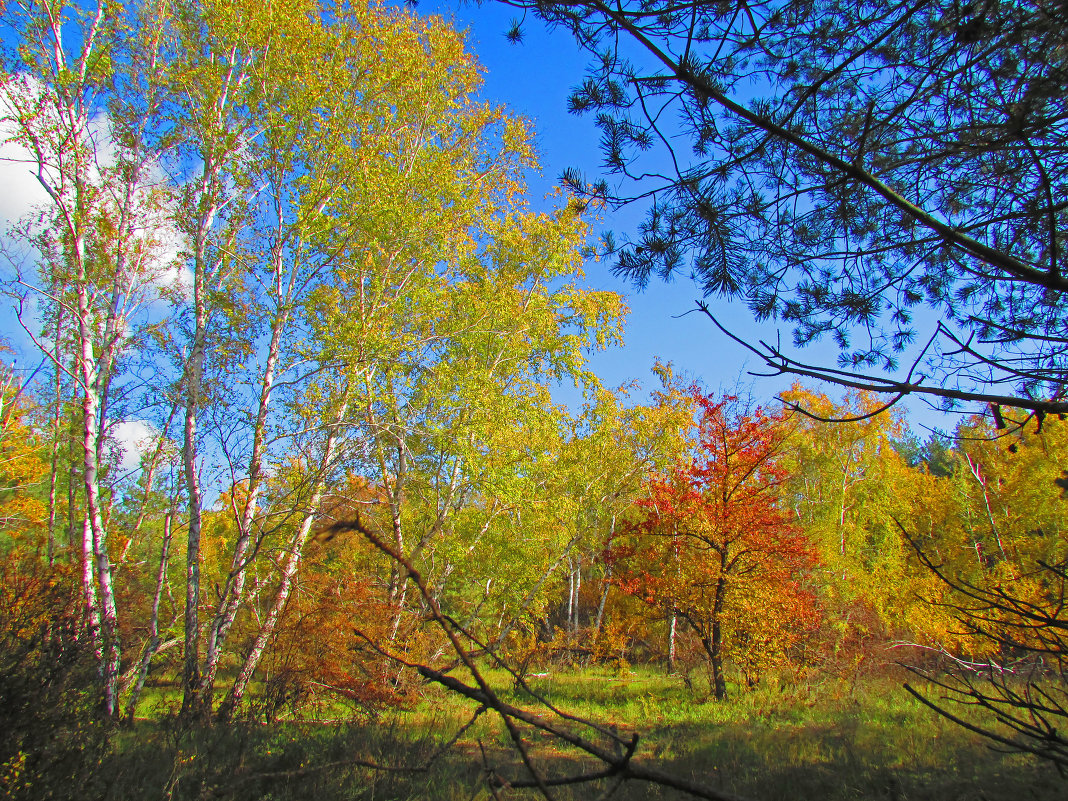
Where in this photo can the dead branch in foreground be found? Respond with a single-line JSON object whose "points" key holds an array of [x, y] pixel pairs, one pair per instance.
{"points": [[1025, 691], [614, 752]]}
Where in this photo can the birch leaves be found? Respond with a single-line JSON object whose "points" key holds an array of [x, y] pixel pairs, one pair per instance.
{"points": [[363, 292]]}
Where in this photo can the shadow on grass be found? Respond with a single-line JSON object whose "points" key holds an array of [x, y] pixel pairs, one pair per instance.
{"points": [[876, 744], [283, 762], [852, 760], [848, 741]]}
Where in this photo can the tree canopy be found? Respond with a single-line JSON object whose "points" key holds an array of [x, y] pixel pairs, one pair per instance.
{"points": [[287, 283], [289, 245]]}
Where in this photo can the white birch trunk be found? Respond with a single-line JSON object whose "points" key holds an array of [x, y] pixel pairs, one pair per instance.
{"points": [[234, 590], [191, 684], [289, 572]]}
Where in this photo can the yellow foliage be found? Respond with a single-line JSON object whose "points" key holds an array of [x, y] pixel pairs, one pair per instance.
{"points": [[22, 468]]}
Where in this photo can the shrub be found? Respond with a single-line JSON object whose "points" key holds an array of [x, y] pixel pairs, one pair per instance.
{"points": [[50, 704]]}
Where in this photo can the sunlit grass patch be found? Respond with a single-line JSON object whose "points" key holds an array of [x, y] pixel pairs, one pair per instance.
{"points": [[784, 739]]}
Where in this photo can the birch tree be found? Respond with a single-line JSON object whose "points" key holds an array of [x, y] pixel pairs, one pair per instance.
{"points": [[98, 253]]}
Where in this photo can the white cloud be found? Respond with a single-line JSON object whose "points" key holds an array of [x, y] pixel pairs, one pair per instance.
{"points": [[133, 438], [20, 191], [20, 98], [174, 271], [26, 98]]}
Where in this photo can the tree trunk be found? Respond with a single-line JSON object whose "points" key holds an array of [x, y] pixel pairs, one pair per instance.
{"points": [[234, 590], [570, 592], [94, 524], [715, 655], [671, 640], [192, 701], [57, 425], [398, 588], [289, 572], [607, 584], [578, 602], [152, 645], [73, 538]]}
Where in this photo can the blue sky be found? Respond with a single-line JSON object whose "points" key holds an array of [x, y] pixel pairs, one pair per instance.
{"points": [[533, 79]]}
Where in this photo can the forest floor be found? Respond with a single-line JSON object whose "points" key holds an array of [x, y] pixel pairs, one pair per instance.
{"points": [[831, 739]]}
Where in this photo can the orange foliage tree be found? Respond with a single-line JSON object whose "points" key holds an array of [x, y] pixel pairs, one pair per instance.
{"points": [[713, 548]]}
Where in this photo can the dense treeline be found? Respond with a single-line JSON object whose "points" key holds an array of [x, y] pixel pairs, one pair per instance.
{"points": [[695, 533], [298, 345], [286, 289]]}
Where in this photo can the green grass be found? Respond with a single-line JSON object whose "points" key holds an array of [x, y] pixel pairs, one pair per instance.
{"points": [[788, 740]]}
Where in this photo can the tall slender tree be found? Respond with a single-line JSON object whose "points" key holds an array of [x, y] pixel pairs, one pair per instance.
{"points": [[99, 256]]}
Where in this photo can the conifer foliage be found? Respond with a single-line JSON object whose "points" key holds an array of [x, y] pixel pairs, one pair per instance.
{"points": [[838, 166]]}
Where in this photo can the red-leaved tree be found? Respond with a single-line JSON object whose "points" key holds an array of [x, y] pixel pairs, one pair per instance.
{"points": [[713, 548]]}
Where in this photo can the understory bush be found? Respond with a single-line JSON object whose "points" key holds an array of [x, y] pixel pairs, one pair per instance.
{"points": [[54, 733]]}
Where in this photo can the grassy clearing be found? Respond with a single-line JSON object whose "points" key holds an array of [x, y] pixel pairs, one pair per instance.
{"points": [[782, 741], [788, 740]]}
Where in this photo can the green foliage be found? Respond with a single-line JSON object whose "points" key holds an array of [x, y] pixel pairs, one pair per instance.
{"points": [[851, 488]]}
